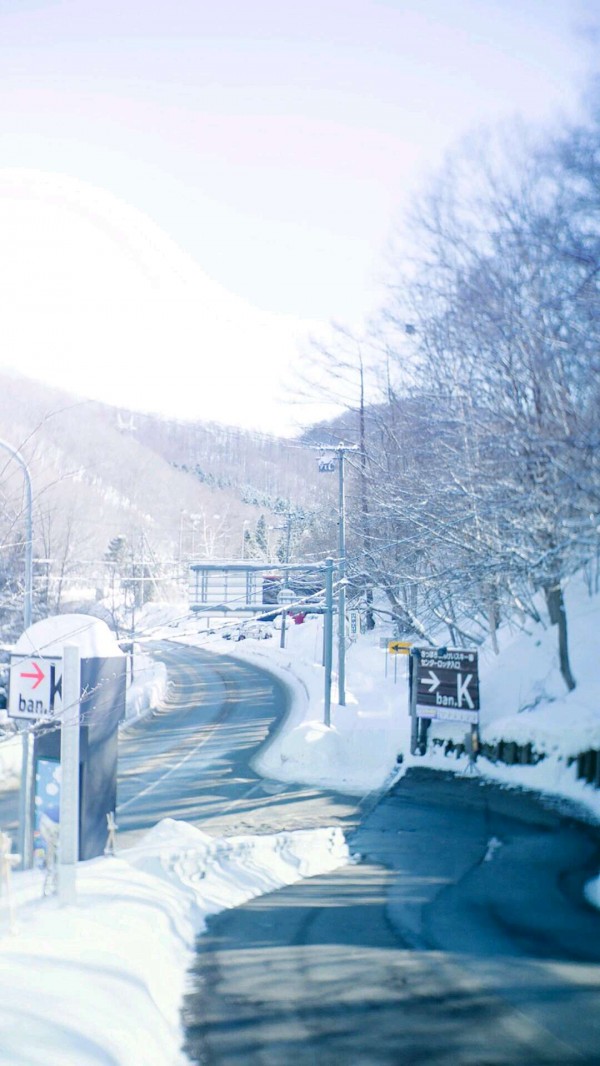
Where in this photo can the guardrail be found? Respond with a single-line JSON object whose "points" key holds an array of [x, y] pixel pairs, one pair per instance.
{"points": [[513, 754], [588, 767]]}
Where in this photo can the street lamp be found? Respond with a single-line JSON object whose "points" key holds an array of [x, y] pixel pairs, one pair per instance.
{"points": [[27, 602], [327, 462]]}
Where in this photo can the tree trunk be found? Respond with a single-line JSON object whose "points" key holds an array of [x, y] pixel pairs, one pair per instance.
{"points": [[558, 617]]}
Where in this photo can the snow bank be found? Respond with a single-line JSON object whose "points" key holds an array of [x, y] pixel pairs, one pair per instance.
{"points": [[95, 983], [10, 762], [84, 985], [592, 892], [48, 637], [524, 697], [147, 688]]}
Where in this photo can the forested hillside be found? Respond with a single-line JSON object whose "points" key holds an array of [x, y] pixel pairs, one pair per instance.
{"points": [[263, 470], [123, 500]]}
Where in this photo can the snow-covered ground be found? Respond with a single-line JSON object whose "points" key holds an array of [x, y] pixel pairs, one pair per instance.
{"points": [[79, 984], [103, 981]]}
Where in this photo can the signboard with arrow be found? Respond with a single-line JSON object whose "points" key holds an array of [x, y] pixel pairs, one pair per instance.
{"points": [[35, 687], [447, 681], [399, 647]]}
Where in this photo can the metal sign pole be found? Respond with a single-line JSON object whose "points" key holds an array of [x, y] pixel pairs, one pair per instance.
{"points": [[342, 581], [286, 578], [414, 721], [69, 792], [26, 799], [328, 638]]}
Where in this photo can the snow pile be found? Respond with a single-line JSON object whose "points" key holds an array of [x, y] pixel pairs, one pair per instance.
{"points": [[592, 892], [524, 695], [146, 684], [96, 982], [10, 762], [224, 872], [160, 618], [48, 637]]}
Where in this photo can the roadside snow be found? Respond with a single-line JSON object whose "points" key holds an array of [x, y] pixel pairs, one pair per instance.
{"points": [[146, 684], [102, 982], [47, 637], [81, 983]]}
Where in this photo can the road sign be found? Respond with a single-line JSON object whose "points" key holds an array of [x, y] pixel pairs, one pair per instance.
{"points": [[35, 687], [399, 647], [353, 623], [326, 466], [447, 685]]}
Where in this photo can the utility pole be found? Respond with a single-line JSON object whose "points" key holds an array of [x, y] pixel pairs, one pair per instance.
{"points": [[327, 461], [341, 578], [328, 639], [288, 539], [27, 602]]}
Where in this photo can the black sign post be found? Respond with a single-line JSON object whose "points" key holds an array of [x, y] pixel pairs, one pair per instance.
{"points": [[445, 686]]}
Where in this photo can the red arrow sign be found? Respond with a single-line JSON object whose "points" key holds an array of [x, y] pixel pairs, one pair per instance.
{"points": [[38, 675]]}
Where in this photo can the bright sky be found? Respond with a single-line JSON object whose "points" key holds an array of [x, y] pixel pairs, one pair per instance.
{"points": [[188, 187]]}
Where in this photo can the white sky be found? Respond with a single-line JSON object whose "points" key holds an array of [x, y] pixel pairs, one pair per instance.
{"points": [[187, 187]]}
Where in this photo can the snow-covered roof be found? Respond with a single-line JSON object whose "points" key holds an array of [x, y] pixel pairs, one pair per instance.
{"points": [[48, 637]]}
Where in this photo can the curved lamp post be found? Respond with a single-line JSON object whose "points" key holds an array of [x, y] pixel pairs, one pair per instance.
{"points": [[29, 535]]}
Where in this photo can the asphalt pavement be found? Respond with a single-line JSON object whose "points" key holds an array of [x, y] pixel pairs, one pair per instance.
{"points": [[458, 934], [192, 759]]}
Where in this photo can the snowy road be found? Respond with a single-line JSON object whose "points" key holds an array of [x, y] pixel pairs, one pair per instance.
{"points": [[192, 759], [460, 938]]}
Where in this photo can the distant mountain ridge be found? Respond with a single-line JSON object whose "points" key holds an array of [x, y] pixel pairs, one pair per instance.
{"points": [[174, 490], [260, 466]]}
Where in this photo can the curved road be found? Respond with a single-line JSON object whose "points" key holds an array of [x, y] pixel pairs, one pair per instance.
{"points": [[459, 937], [459, 934], [191, 760]]}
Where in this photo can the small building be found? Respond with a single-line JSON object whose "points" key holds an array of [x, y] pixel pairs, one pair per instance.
{"points": [[236, 588]]}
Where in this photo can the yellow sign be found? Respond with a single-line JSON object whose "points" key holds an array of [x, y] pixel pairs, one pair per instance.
{"points": [[399, 647]]}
